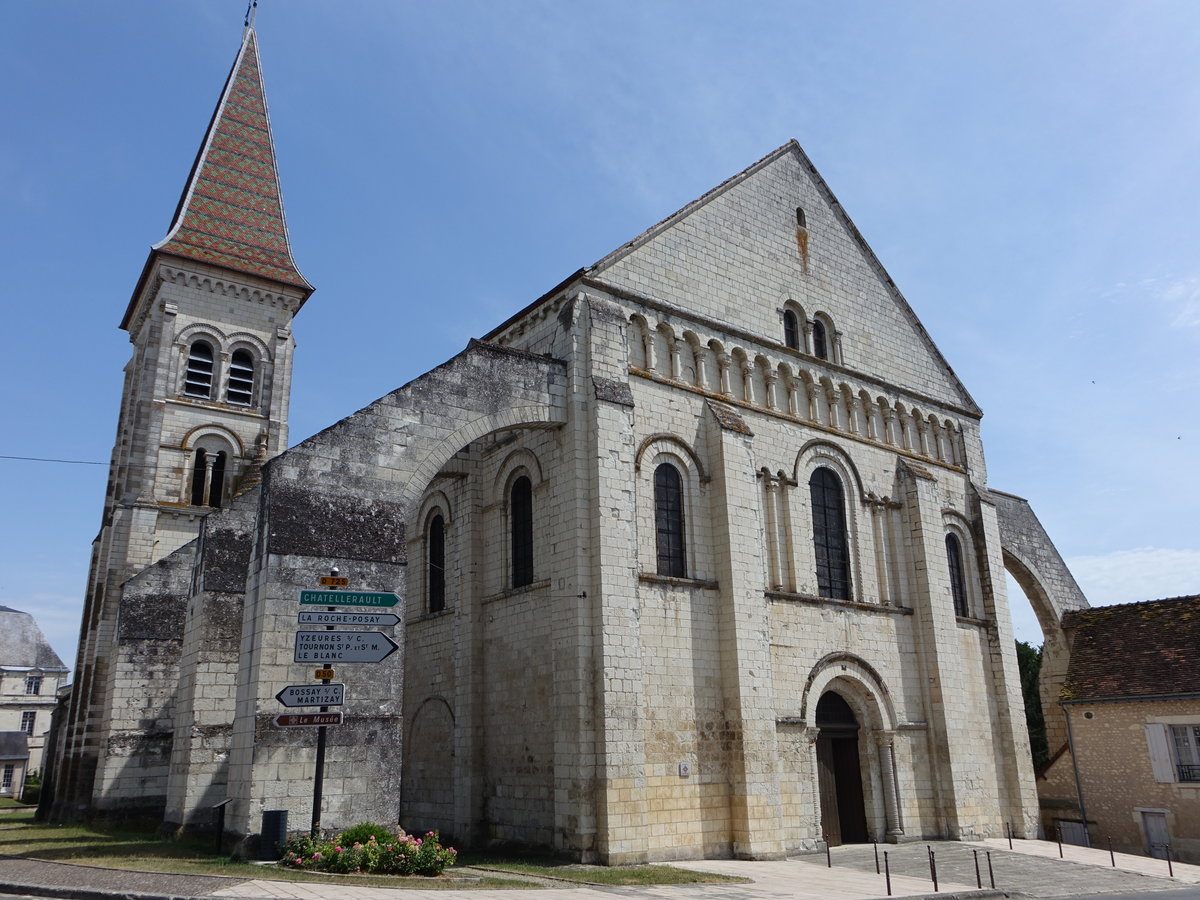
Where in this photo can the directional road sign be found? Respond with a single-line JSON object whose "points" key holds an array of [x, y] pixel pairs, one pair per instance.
{"points": [[348, 598], [343, 646], [371, 619], [312, 695], [307, 720]]}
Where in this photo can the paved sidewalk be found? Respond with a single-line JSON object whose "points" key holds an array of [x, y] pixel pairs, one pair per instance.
{"points": [[1031, 868]]}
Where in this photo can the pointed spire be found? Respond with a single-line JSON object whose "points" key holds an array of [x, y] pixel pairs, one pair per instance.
{"points": [[231, 211]]}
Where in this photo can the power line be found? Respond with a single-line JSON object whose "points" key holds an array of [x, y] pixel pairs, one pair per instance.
{"points": [[73, 462]]}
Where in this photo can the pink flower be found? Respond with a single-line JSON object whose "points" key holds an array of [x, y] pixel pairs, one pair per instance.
{"points": [[337, 849]]}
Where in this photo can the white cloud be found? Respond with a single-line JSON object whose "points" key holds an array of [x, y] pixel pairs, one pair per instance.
{"points": [[1145, 573], [1123, 576], [1183, 296]]}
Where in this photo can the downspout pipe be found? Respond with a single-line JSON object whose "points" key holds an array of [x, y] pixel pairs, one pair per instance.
{"points": [[1087, 835]]}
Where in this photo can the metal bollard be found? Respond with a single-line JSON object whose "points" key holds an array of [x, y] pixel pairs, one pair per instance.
{"points": [[1060, 853], [932, 869], [978, 880], [1170, 868], [887, 872], [828, 857], [1111, 857], [991, 874], [1009, 830], [875, 844]]}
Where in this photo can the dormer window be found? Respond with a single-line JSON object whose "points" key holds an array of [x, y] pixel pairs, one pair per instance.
{"points": [[241, 378], [198, 378]]}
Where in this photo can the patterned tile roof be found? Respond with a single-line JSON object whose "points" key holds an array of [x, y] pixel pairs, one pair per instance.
{"points": [[1134, 650], [231, 212]]}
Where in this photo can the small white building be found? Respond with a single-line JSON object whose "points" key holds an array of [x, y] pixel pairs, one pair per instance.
{"points": [[30, 675]]}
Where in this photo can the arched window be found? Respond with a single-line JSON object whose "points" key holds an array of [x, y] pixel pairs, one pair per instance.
{"points": [[668, 521], [435, 558], [820, 340], [520, 510], [829, 534], [199, 477], [198, 378], [801, 221], [958, 581], [208, 478], [791, 330], [241, 378]]}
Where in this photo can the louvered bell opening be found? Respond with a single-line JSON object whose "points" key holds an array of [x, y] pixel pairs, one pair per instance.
{"points": [[241, 379], [198, 379]]}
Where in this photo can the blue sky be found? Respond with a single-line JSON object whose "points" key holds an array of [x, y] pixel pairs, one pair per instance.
{"points": [[1025, 170]]}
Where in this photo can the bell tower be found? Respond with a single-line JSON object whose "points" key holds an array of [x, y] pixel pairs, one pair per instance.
{"points": [[206, 389]]}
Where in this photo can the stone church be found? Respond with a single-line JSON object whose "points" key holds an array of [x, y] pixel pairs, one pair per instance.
{"points": [[696, 552]]}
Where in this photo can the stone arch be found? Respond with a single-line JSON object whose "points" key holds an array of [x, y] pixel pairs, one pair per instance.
{"points": [[427, 785], [678, 442], [1035, 564], [861, 688], [871, 697], [193, 438], [529, 416]]}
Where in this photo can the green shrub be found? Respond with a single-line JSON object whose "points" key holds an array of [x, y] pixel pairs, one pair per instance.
{"points": [[361, 833], [379, 854]]}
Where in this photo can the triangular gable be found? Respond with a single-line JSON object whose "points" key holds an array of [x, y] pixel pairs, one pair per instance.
{"points": [[733, 256]]}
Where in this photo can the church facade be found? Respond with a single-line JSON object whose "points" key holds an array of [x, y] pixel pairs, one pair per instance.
{"points": [[696, 552]]}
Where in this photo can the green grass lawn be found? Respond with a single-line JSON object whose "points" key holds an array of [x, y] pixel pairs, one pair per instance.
{"points": [[145, 851], [549, 867]]}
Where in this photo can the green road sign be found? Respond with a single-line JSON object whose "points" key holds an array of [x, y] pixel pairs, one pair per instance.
{"points": [[348, 598]]}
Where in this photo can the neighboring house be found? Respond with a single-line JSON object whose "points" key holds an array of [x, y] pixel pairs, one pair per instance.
{"points": [[1132, 706], [14, 762], [30, 675], [697, 552]]}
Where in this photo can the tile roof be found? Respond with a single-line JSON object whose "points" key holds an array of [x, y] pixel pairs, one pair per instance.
{"points": [[1134, 650], [231, 211], [22, 644]]}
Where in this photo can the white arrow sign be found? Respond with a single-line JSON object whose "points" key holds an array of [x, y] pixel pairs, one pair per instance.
{"points": [[371, 619], [312, 695], [343, 646]]}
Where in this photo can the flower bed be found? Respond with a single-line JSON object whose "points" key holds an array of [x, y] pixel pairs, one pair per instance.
{"points": [[381, 853]]}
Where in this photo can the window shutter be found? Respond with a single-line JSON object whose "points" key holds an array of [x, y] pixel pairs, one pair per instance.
{"points": [[1160, 753]]}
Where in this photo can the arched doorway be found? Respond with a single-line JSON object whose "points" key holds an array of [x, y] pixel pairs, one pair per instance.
{"points": [[839, 774]]}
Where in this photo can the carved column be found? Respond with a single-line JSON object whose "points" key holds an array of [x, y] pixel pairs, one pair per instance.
{"points": [[852, 420], [723, 374], [674, 361], [887, 772], [772, 528], [748, 382], [889, 426], [831, 398], [808, 347], [701, 367], [770, 379]]}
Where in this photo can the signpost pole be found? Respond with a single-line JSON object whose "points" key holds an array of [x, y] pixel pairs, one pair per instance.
{"points": [[319, 779]]}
